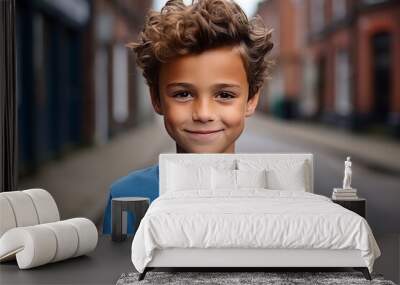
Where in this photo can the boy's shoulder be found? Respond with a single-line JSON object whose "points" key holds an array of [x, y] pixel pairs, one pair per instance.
{"points": [[142, 177]]}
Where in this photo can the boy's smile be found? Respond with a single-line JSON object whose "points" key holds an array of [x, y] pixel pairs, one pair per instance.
{"points": [[204, 100]]}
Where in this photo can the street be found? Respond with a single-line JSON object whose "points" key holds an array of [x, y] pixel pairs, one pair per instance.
{"points": [[80, 183]]}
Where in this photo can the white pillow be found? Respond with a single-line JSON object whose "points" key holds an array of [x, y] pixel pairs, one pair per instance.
{"points": [[282, 174], [228, 179], [291, 179], [251, 178], [183, 177], [223, 179]]}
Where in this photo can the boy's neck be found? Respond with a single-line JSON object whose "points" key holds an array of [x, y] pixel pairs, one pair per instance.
{"points": [[230, 149]]}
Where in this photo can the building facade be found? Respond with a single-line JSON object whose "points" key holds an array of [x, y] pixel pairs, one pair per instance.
{"points": [[77, 84], [347, 58], [281, 92]]}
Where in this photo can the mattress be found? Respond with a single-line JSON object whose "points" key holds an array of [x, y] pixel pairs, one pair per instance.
{"points": [[250, 218]]}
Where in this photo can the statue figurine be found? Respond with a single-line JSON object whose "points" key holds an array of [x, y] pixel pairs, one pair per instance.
{"points": [[347, 174]]}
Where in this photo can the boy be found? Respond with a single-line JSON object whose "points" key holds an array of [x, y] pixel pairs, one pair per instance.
{"points": [[205, 65]]}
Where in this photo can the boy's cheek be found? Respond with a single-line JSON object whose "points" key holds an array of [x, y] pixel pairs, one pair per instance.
{"points": [[233, 116], [177, 116], [172, 107]]}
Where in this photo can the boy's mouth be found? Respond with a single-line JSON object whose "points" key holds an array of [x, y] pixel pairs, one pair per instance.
{"points": [[204, 135], [203, 132]]}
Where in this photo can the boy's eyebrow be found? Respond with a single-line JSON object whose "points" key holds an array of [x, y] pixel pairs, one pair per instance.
{"points": [[189, 85]]}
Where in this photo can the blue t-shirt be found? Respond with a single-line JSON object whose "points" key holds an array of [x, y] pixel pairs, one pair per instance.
{"points": [[142, 183]]}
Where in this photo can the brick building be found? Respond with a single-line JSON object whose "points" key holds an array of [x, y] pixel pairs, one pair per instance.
{"points": [[342, 63], [122, 99], [281, 93]]}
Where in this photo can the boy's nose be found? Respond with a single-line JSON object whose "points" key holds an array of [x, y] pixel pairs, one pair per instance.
{"points": [[202, 111]]}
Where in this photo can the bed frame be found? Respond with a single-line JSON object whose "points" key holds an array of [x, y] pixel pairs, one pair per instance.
{"points": [[249, 259], [243, 259]]}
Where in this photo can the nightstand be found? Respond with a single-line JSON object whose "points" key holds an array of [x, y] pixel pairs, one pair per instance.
{"points": [[136, 205], [358, 206]]}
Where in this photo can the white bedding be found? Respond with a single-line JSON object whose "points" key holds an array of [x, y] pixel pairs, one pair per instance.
{"points": [[251, 218]]}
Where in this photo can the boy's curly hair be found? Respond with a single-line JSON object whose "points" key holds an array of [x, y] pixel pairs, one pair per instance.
{"points": [[179, 30]]}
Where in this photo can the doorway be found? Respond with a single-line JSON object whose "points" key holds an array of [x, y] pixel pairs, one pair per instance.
{"points": [[320, 86], [381, 77]]}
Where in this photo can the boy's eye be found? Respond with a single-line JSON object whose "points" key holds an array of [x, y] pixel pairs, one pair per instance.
{"points": [[182, 95], [225, 96]]}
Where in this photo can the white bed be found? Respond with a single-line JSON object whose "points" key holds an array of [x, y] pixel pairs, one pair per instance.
{"points": [[288, 226]]}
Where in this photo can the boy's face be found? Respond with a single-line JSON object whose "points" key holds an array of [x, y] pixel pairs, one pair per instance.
{"points": [[204, 100]]}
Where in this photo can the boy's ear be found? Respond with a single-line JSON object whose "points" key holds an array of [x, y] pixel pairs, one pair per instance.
{"points": [[155, 101], [252, 104]]}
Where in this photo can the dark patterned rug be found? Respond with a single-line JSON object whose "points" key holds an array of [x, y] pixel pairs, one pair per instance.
{"points": [[228, 278]]}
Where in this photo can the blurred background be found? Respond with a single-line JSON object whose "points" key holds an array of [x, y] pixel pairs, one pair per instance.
{"points": [[85, 118]]}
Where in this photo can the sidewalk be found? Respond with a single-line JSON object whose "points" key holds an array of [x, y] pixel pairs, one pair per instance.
{"points": [[373, 152]]}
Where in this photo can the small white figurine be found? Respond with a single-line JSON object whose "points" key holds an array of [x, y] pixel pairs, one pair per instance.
{"points": [[347, 174]]}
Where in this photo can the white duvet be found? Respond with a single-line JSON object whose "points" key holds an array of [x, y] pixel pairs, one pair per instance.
{"points": [[252, 218]]}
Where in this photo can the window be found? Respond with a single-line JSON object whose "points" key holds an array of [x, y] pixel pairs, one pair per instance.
{"points": [[120, 83], [317, 15], [101, 102], [338, 9], [343, 104]]}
